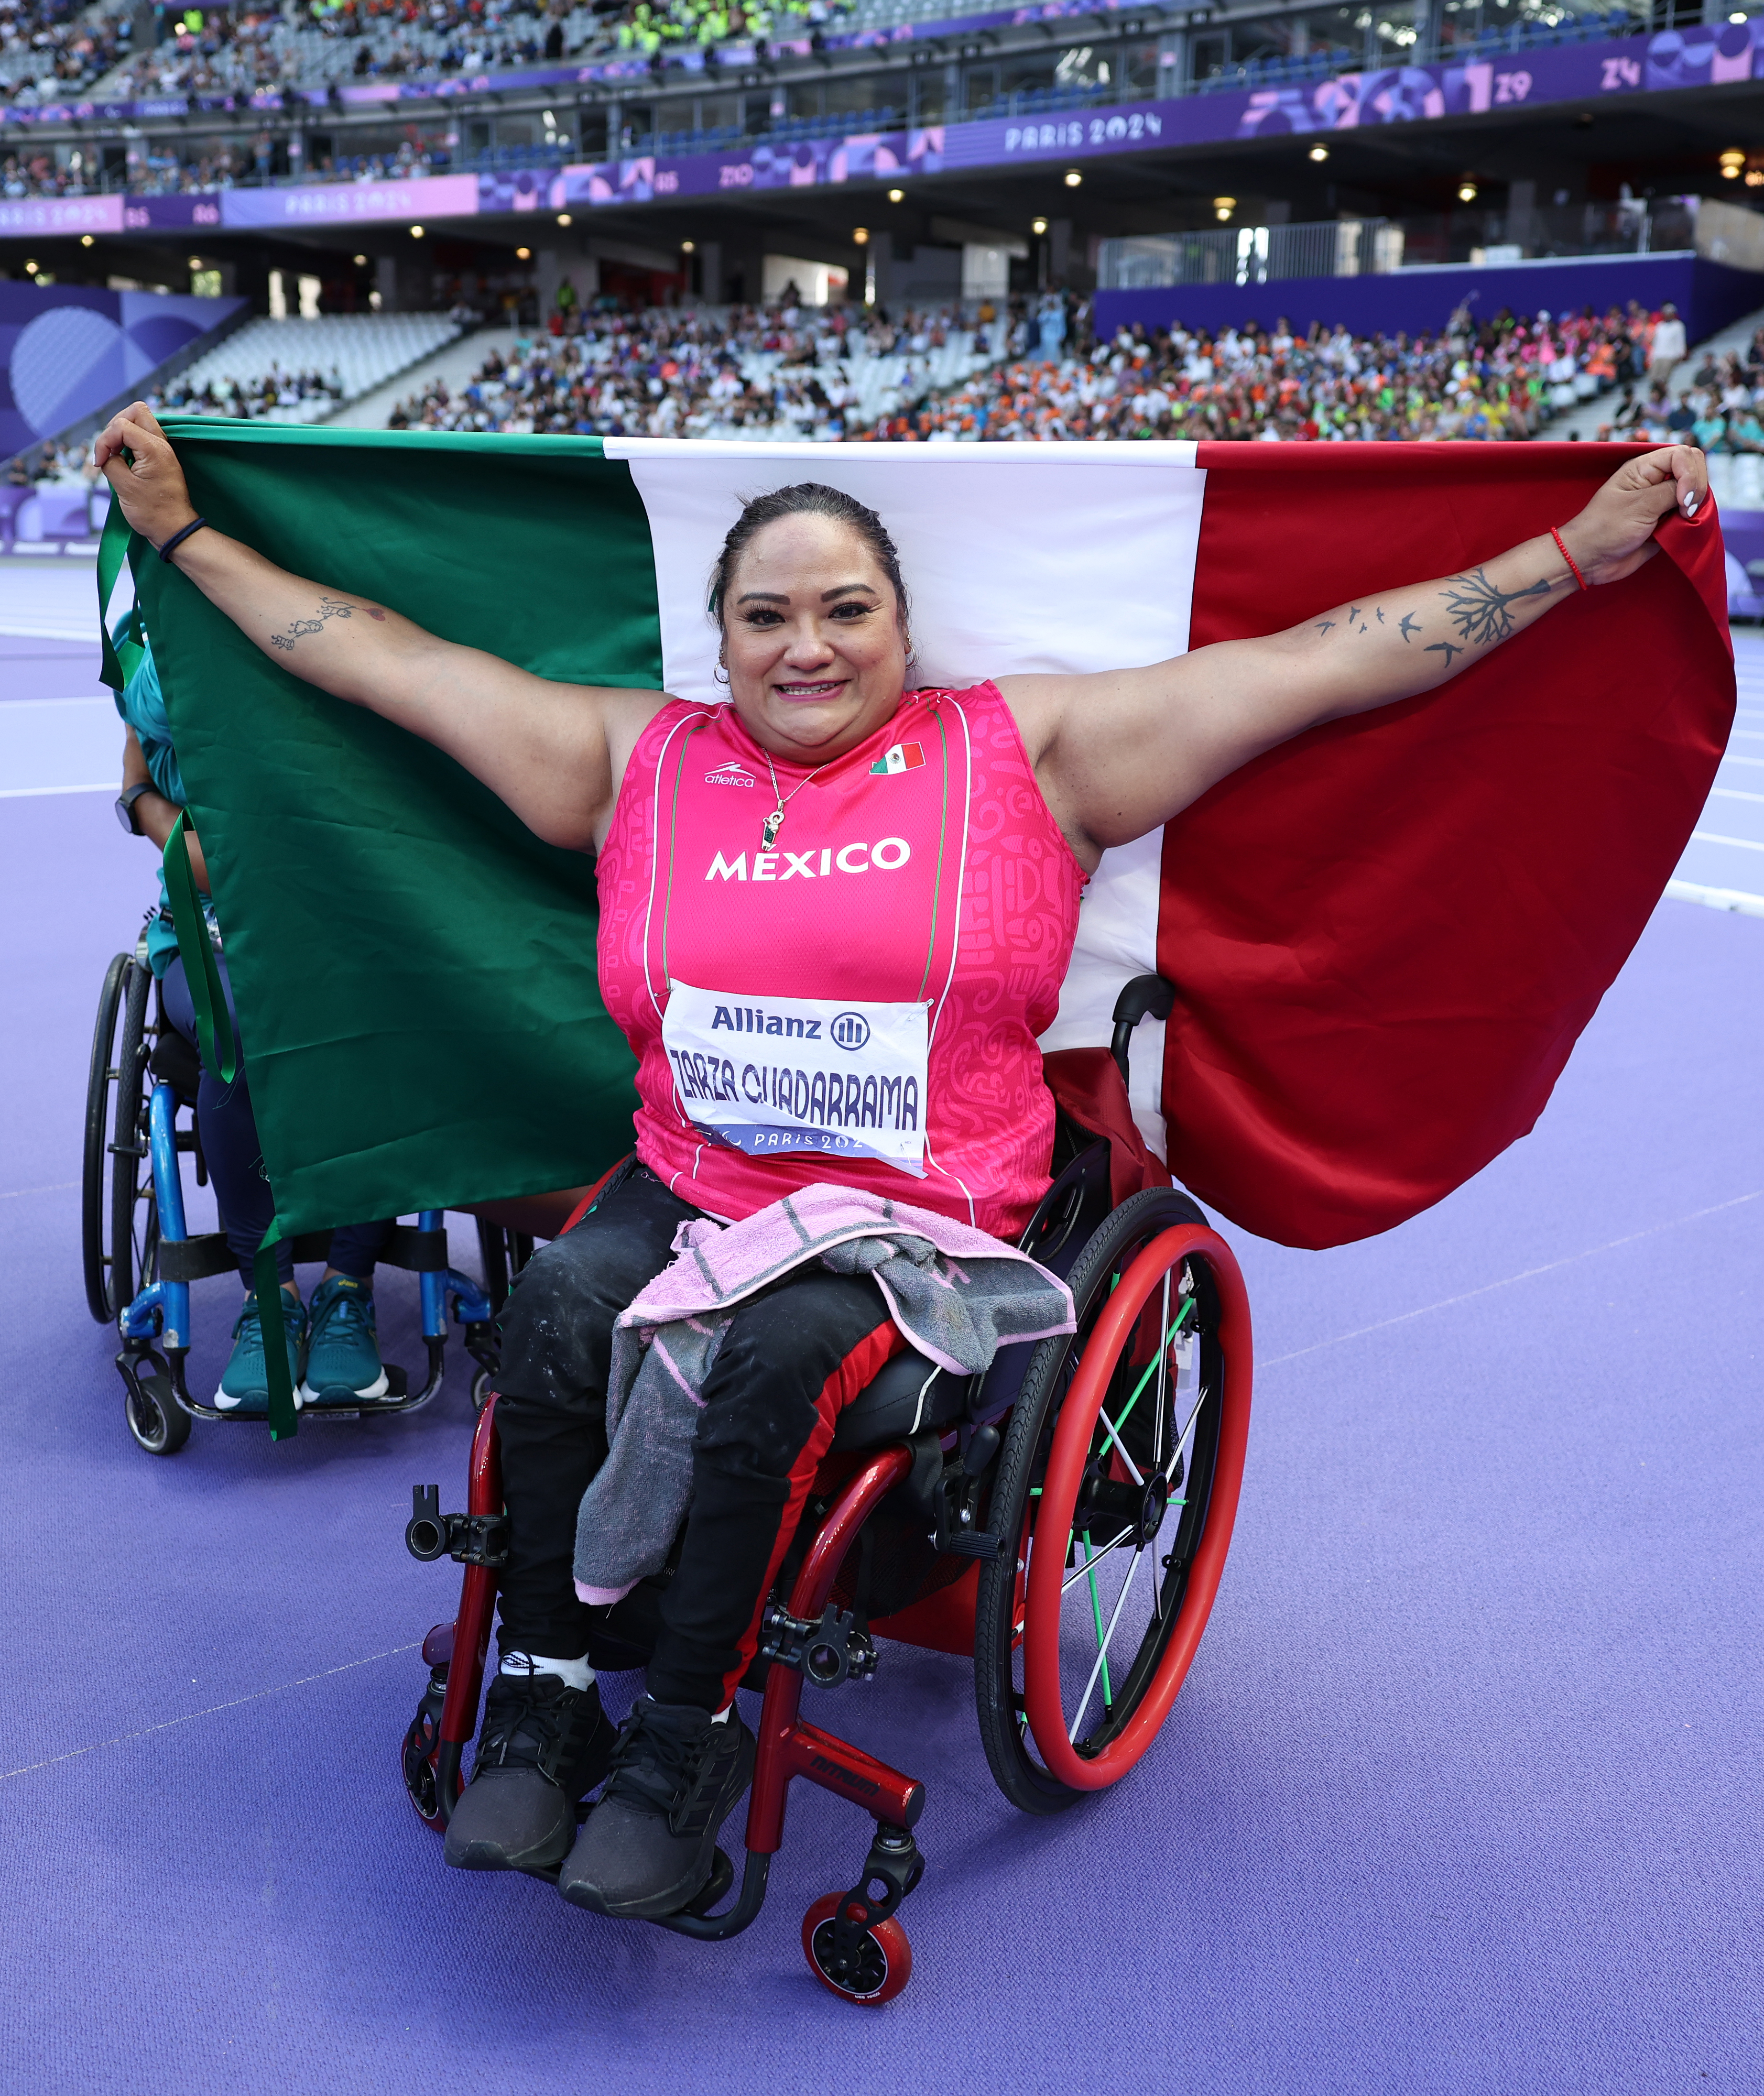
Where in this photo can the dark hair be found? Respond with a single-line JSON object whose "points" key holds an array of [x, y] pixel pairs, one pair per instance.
{"points": [[808, 498]]}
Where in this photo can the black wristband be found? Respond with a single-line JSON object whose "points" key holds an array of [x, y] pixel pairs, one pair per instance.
{"points": [[177, 538]]}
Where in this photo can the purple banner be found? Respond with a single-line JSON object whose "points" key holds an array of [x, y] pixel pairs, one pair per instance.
{"points": [[26, 215], [171, 213], [334, 203]]}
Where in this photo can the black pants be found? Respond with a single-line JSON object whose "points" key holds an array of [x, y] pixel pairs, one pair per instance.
{"points": [[794, 1356], [235, 1157]]}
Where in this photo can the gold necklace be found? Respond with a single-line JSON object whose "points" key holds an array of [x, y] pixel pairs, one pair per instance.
{"points": [[774, 821]]}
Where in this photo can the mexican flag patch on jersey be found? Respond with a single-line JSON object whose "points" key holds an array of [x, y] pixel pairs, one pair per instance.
{"points": [[903, 757]]}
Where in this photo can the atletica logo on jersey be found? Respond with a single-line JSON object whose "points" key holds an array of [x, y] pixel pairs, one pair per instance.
{"points": [[732, 773], [903, 757]]}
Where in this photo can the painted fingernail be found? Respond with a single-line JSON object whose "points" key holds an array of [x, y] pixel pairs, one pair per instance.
{"points": [[1690, 504]]}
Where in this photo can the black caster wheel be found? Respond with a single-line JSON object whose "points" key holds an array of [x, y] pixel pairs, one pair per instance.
{"points": [[480, 1390], [160, 1424]]}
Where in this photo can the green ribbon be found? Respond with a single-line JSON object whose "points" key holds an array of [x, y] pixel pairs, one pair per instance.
{"points": [[214, 1028], [284, 1421], [121, 656]]}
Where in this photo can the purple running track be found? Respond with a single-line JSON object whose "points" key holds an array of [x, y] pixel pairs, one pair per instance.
{"points": [[1462, 1796]]}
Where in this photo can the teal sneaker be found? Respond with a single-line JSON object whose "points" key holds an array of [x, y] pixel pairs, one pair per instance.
{"points": [[244, 1384], [342, 1356]]}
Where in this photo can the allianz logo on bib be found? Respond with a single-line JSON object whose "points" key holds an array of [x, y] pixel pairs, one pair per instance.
{"points": [[886, 855], [730, 774]]}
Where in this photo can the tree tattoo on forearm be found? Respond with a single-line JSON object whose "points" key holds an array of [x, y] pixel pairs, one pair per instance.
{"points": [[1479, 609], [328, 607]]}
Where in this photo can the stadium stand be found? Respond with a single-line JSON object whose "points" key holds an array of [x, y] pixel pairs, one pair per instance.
{"points": [[361, 40], [302, 370], [1502, 380], [49, 49], [781, 373]]}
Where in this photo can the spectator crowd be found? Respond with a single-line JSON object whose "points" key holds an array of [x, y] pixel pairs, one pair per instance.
{"points": [[1722, 409], [249, 399], [1502, 380], [786, 371], [50, 50]]}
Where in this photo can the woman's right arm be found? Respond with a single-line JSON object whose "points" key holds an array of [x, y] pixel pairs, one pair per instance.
{"points": [[554, 752]]}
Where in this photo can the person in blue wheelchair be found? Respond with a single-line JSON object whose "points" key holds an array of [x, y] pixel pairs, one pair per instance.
{"points": [[858, 890], [334, 1354]]}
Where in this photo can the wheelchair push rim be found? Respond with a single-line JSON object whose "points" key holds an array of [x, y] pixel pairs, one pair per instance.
{"points": [[119, 1221], [1111, 1620]]}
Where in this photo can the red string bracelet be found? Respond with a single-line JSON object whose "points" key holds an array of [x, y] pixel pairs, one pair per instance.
{"points": [[1568, 556]]}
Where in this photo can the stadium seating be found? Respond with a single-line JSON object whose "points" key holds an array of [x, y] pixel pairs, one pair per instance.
{"points": [[742, 373], [302, 370]]}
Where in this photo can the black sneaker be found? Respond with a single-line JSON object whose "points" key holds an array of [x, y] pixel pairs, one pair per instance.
{"points": [[543, 1748], [649, 1844]]}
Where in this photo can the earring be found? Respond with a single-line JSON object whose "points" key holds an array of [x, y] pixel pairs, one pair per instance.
{"points": [[719, 675]]}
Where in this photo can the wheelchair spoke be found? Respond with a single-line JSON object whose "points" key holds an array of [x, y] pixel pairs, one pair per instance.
{"points": [[1156, 1366], [1163, 1348], [1090, 1563], [1103, 1644], [1108, 1426], [1096, 1611]]}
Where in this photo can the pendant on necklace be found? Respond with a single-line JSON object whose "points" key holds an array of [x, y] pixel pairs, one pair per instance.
{"points": [[769, 829]]}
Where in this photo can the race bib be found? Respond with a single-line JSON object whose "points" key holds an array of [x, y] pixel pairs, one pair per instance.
{"points": [[778, 1076]]}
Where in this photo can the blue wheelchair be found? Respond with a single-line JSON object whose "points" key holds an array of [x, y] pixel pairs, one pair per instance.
{"points": [[140, 1260]]}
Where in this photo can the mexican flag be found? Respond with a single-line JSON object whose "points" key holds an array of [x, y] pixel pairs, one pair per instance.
{"points": [[1385, 937]]}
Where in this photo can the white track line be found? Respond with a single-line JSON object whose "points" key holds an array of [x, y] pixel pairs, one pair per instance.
{"points": [[1717, 898], [1714, 837], [1512, 1280], [101, 786], [256, 1695]]}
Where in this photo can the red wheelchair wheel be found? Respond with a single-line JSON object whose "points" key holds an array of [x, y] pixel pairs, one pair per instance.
{"points": [[884, 1956], [1119, 1480]]}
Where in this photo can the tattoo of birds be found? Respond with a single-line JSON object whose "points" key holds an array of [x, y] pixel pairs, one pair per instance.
{"points": [[1324, 625], [1410, 627], [1381, 615], [1479, 609], [1448, 649]]}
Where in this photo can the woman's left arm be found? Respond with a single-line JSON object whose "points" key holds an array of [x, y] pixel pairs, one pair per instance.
{"points": [[1119, 753]]}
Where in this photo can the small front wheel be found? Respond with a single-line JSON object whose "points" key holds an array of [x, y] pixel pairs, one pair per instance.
{"points": [[881, 1968], [158, 1423], [417, 1760]]}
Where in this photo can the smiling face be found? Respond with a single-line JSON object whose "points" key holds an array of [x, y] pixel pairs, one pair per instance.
{"points": [[812, 640]]}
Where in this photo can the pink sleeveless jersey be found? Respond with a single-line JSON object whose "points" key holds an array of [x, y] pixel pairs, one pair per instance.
{"points": [[922, 869]]}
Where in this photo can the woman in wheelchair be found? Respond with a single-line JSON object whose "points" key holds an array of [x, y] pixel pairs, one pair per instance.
{"points": [[334, 1354], [832, 846]]}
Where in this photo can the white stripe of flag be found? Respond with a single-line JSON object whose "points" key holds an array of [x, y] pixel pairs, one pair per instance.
{"points": [[1018, 559]]}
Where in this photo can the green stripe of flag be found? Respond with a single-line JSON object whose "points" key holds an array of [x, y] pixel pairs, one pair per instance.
{"points": [[415, 972]]}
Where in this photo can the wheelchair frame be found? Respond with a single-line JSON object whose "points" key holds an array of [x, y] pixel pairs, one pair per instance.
{"points": [[1006, 1606], [140, 1259]]}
